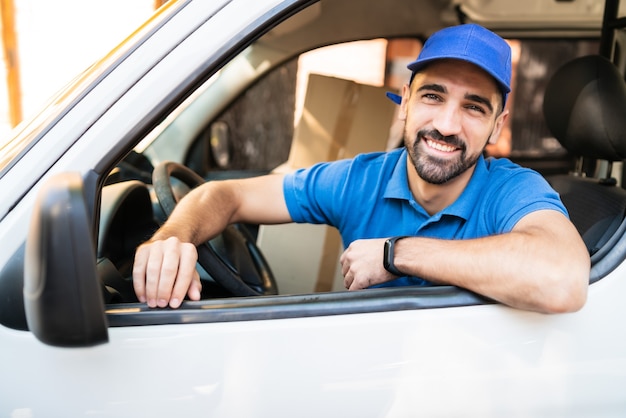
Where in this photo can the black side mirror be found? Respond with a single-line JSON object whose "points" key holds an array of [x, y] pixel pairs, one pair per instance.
{"points": [[62, 296]]}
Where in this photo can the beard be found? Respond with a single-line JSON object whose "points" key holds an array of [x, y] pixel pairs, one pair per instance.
{"points": [[435, 170]]}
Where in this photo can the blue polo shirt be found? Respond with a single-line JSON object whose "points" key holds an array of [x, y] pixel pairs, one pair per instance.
{"points": [[369, 197]]}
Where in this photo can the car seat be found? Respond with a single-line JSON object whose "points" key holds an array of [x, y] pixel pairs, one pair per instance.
{"points": [[585, 109]]}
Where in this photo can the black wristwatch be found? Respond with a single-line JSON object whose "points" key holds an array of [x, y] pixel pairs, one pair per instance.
{"points": [[388, 254]]}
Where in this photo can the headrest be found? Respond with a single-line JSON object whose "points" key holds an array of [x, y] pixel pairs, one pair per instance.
{"points": [[585, 108]]}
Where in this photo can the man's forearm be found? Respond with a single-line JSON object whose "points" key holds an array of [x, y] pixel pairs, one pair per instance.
{"points": [[200, 215], [524, 269], [207, 210]]}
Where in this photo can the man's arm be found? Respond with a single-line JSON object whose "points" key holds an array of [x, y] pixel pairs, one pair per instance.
{"points": [[164, 268], [541, 265]]}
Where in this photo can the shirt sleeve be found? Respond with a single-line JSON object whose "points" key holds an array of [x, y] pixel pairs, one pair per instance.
{"points": [[524, 192], [314, 195], [331, 192]]}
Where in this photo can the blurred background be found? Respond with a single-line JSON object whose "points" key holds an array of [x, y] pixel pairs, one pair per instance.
{"points": [[46, 43]]}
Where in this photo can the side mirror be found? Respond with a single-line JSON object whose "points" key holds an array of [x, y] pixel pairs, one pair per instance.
{"points": [[62, 296]]}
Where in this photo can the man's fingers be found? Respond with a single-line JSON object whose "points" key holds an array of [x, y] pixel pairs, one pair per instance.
{"points": [[195, 288], [169, 272], [146, 271], [164, 271], [139, 273], [187, 280], [347, 281], [153, 273]]}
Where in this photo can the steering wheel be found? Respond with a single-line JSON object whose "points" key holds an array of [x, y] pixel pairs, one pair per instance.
{"points": [[232, 258]]}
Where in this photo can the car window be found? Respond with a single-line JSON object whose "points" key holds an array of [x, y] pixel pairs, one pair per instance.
{"points": [[252, 132], [536, 62], [257, 142], [255, 131]]}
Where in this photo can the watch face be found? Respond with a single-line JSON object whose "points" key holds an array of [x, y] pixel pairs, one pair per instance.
{"points": [[388, 256]]}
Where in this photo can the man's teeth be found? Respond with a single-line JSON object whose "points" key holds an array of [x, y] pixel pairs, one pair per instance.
{"points": [[439, 146]]}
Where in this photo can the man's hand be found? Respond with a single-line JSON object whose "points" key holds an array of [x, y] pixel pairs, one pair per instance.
{"points": [[362, 264], [164, 271]]}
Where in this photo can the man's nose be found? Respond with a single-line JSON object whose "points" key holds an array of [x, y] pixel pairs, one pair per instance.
{"points": [[448, 120]]}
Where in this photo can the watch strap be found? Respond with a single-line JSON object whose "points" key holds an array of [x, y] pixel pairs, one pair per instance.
{"points": [[389, 254]]}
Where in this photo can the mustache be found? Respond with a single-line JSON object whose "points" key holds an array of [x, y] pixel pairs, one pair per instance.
{"points": [[453, 140]]}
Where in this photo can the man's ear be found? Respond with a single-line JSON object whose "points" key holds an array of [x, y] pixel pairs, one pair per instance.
{"points": [[499, 125], [406, 94]]}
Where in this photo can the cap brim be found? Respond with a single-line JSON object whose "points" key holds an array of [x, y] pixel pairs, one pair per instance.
{"points": [[396, 98]]}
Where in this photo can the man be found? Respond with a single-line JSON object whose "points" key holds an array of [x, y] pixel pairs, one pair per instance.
{"points": [[435, 211]]}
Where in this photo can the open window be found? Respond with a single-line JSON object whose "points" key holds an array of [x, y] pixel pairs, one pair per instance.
{"points": [[242, 120]]}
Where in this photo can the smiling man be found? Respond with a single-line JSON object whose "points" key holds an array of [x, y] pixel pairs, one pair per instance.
{"points": [[433, 212]]}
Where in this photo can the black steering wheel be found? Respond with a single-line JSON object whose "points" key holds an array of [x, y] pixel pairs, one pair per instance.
{"points": [[232, 258]]}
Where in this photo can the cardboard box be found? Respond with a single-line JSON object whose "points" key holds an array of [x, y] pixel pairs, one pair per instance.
{"points": [[340, 119]]}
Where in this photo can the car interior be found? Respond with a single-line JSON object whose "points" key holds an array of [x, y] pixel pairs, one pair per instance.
{"points": [[568, 107], [253, 260], [587, 121]]}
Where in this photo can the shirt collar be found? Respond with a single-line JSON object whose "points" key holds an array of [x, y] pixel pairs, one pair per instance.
{"points": [[398, 184], [398, 188]]}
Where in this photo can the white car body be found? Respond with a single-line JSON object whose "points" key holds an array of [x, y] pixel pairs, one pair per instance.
{"points": [[476, 359]]}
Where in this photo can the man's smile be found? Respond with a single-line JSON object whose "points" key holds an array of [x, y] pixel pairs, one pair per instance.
{"points": [[440, 146]]}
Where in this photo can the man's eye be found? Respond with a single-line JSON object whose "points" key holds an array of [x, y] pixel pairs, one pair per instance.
{"points": [[431, 96], [475, 108]]}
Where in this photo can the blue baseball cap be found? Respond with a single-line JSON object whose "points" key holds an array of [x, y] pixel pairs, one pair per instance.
{"points": [[472, 43]]}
